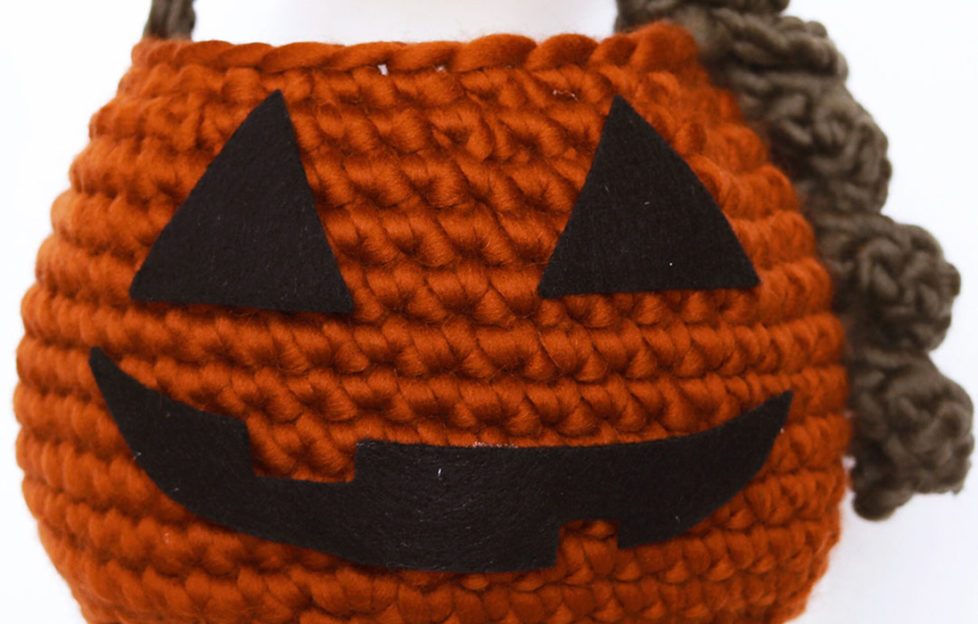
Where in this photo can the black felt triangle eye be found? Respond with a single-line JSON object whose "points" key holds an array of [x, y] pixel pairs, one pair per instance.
{"points": [[248, 235], [643, 222]]}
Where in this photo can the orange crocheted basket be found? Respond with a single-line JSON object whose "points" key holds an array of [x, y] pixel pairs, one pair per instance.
{"points": [[234, 414]]}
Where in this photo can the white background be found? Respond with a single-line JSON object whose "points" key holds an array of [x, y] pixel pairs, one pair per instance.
{"points": [[913, 66]]}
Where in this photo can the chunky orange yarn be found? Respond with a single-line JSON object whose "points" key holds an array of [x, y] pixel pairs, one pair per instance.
{"points": [[443, 173]]}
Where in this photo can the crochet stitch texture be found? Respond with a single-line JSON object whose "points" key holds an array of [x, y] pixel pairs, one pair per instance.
{"points": [[894, 288], [444, 174]]}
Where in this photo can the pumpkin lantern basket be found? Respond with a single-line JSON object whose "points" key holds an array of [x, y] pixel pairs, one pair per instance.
{"points": [[486, 331]]}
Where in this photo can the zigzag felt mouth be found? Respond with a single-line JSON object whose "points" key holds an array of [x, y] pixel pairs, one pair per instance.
{"points": [[455, 509]]}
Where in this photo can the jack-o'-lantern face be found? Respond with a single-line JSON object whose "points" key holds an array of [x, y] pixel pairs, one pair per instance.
{"points": [[249, 235], [573, 328]]}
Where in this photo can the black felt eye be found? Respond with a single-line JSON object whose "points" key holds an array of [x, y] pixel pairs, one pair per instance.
{"points": [[248, 235], [643, 222]]}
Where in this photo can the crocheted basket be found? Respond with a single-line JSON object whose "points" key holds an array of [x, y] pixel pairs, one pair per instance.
{"points": [[497, 331]]}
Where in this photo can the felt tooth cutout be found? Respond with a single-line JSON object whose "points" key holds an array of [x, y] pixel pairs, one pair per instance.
{"points": [[454, 437]]}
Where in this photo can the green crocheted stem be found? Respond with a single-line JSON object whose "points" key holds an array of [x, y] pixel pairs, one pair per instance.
{"points": [[894, 290], [170, 19]]}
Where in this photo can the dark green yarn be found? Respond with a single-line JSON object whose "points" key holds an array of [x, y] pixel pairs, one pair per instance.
{"points": [[894, 290], [170, 19]]}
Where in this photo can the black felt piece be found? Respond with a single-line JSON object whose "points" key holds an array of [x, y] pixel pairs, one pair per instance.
{"points": [[248, 235], [643, 222], [456, 509]]}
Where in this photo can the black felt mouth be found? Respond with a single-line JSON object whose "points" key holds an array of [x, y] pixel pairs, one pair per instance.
{"points": [[455, 509]]}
